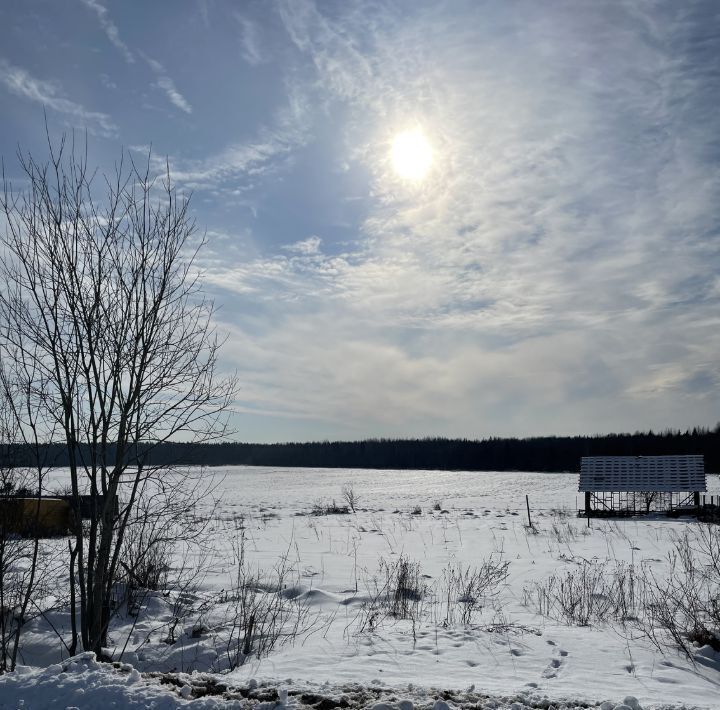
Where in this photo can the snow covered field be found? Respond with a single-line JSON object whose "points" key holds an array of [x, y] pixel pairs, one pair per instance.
{"points": [[435, 526]]}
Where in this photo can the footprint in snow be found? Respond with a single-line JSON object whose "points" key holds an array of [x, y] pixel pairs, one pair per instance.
{"points": [[555, 664]]}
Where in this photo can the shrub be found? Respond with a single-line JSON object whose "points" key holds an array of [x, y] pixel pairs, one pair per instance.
{"points": [[466, 590], [594, 592], [397, 591], [683, 607], [262, 612], [322, 507], [351, 496]]}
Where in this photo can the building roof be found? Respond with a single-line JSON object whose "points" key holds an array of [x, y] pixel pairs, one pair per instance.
{"points": [[642, 473]]}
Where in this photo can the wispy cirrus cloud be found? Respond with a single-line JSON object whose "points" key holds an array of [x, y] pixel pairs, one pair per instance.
{"points": [[109, 28], [557, 270], [236, 168], [568, 225], [48, 93], [167, 85], [163, 81], [250, 40], [533, 166]]}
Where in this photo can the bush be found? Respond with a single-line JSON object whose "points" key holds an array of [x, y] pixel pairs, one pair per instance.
{"points": [[683, 607], [397, 591], [678, 608], [351, 496], [145, 563], [262, 612], [595, 592], [466, 590], [322, 507]]}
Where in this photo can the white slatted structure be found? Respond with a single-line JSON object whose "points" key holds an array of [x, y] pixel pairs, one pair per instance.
{"points": [[642, 473]]}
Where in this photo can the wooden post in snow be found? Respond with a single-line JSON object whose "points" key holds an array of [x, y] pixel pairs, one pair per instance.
{"points": [[527, 503]]}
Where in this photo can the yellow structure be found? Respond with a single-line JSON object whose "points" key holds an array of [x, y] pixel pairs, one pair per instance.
{"points": [[46, 516]]}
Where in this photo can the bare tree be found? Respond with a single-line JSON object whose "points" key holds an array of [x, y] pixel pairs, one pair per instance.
{"points": [[351, 496], [647, 499], [105, 294]]}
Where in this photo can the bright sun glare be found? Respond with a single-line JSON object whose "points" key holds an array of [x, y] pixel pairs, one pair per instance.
{"points": [[411, 154]]}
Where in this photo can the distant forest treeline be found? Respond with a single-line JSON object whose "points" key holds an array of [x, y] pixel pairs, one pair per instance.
{"points": [[547, 453]]}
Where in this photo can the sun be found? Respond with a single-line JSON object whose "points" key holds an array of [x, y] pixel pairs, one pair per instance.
{"points": [[412, 154]]}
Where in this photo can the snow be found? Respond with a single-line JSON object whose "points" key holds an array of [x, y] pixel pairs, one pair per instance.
{"points": [[510, 657], [84, 683]]}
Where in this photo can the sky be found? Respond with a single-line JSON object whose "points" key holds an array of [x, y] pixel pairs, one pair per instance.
{"points": [[555, 270]]}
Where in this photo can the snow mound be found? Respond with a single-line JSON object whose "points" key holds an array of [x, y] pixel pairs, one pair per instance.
{"points": [[83, 682]]}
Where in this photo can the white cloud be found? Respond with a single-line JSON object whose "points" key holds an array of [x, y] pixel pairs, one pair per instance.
{"points": [[308, 246], [250, 40], [109, 27], [558, 268], [167, 85], [234, 170], [358, 379], [529, 205], [20, 82], [204, 8]]}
